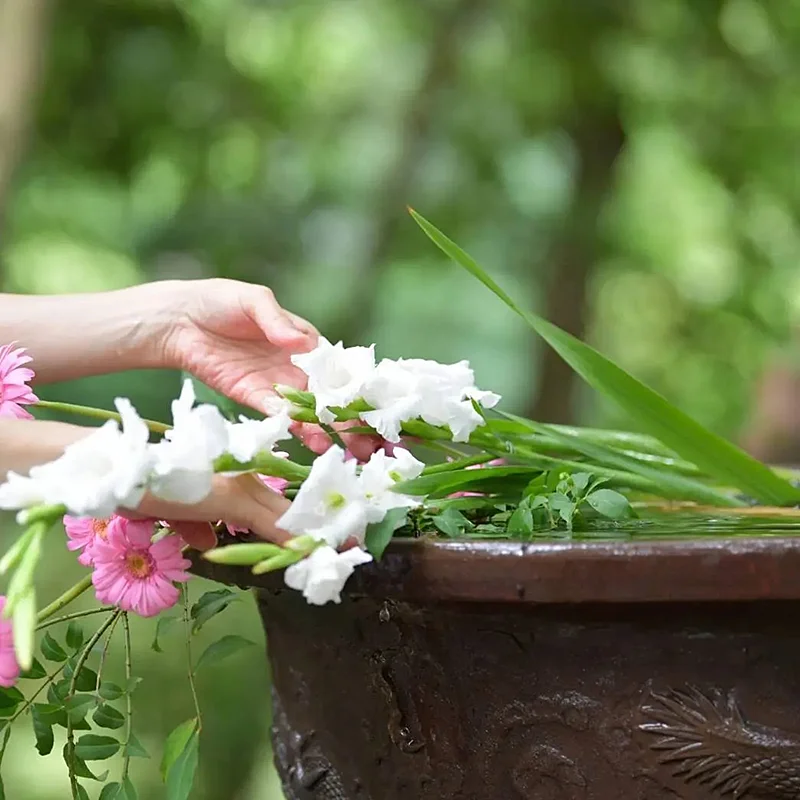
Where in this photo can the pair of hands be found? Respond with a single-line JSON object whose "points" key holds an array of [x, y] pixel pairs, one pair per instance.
{"points": [[235, 338]]}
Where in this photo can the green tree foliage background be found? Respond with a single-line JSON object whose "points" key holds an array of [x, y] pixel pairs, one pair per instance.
{"points": [[628, 167]]}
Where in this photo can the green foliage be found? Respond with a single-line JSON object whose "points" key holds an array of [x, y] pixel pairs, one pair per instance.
{"points": [[209, 605], [379, 534], [179, 762], [221, 649]]}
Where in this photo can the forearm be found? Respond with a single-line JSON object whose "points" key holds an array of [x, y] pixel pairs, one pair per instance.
{"points": [[74, 336], [26, 443]]}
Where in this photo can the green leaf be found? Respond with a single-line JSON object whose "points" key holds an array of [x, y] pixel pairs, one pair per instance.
{"points": [[36, 671], [223, 648], [135, 749], [110, 691], [107, 716], [3, 745], [162, 628], [92, 747], [444, 483], [664, 421], [175, 745], [564, 507], [181, 773], [78, 764], [52, 650], [42, 730], [82, 794], [521, 521], [610, 504], [74, 636], [379, 534], [451, 522], [210, 604], [52, 714], [132, 684], [86, 680], [78, 707], [119, 791], [666, 484], [10, 697]]}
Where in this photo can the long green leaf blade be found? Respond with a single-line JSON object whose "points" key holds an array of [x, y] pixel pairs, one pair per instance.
{"points": [[687, 437]]}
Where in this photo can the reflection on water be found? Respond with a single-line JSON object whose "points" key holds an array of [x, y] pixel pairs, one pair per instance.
{"points": [[653, 524]]}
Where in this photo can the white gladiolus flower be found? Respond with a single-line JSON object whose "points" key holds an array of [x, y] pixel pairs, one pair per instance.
{"points": [[248, 437], [94, 476], [379, 475], [336, 374], [184, 459], [322, 575], [329, 506], [439, 394]]}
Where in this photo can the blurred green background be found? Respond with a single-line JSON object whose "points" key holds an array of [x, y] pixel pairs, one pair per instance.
{"points": [[627, 168]]}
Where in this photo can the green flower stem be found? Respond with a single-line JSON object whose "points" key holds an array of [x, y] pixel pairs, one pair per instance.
{"points": [[187, 622], [126, 757], [74, 615], [79, 664], [29, 702], [265, 464], [71, 594], [96, 413], [104, 653]]}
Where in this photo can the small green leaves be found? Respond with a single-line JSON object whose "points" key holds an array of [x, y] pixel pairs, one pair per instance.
{"points": [[609, 503], [42, 730], [92, 747], [107, 716], [179, 763], [451, 522], [163, 626], [10, 698], [134, 748], [78, 707], [74, 636], [379, 534], [212, 603], [223, 648], [110, 691], [119, 791], [51, 649]]}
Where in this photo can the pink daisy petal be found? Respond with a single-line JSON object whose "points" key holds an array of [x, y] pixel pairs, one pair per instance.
{"points": [[9, 668], [135, 573]]}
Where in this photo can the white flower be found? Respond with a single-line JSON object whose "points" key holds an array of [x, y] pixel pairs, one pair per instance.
{"points": [[380, 474], [184, 459], [95, 476], [322, 575], [336, 374], [276, 406], [248, 437], [439, 394], [329, 506]]}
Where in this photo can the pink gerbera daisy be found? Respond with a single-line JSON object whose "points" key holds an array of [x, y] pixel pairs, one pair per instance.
{"points": [[82, 533], [9, 668], [135, 573], [14, 377]]}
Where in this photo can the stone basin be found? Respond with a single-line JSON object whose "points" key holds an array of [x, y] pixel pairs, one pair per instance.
{"points": [[562, 670]]}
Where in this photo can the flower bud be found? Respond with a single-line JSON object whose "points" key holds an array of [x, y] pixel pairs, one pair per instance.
{"points": [[284, 559], [296, 396], [243, 554]]}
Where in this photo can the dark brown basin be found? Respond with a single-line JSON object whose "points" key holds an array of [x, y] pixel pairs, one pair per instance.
{"points": [[498, 670]]}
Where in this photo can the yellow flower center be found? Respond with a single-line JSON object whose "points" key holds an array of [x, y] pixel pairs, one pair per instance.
{"points": [[100, 527], [140, 565], [336, 500]]}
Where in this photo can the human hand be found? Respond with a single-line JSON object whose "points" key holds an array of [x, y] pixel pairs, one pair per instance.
{"points": [[242, 501], [236, 338]]}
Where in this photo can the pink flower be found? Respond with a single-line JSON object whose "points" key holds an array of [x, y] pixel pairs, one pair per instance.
{"points": [[135, 573], [82, 533], [9, 668], [14, 377], [276, 484]]}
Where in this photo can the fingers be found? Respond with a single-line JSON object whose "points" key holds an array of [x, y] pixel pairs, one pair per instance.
{"points": [[280, 327], [199, 535], [260, 508]]}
